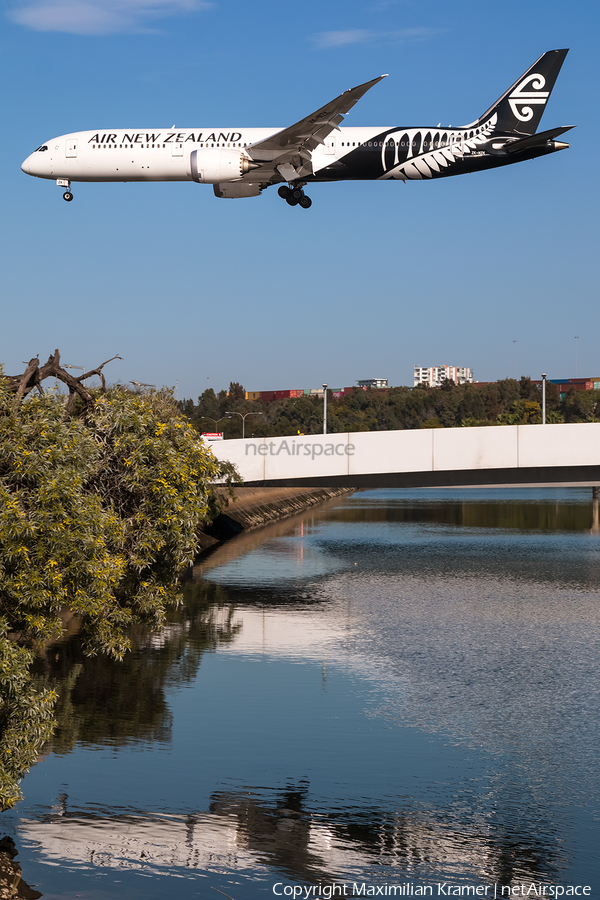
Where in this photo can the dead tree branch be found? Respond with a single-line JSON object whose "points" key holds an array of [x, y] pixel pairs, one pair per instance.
{"points": [[32, 377]]}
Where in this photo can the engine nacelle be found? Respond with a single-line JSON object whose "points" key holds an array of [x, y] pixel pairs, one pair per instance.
{"points": [[214, 165]]}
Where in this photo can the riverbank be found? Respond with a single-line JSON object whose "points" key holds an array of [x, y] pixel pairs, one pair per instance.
{"points": [[255, 507]]}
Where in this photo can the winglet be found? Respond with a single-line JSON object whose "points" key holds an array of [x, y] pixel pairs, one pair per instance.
{"points": [[350, 97]]}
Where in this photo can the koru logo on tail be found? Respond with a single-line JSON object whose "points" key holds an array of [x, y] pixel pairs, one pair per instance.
{"points": [[522, 100]]}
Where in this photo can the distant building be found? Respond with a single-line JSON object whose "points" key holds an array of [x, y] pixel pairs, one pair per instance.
{"points": [[434, 376], [564, 385], [373, 383]]}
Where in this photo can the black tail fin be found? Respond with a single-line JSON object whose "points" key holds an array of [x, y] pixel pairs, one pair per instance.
{"points": [[520, 109]]}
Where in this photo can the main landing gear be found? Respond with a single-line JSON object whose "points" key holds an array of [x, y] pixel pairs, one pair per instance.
{"points": [[294, 195], [62, 182]]}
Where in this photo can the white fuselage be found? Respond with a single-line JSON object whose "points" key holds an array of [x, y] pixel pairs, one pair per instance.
{"points": [[161, 154]]}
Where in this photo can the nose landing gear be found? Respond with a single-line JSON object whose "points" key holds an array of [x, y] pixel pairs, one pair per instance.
{"points": [[62, 182], [294, 195]]}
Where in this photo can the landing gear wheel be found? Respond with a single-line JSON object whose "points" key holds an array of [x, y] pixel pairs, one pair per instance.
{"points": [[297, 193], [292, 200], [305, 202], [68, 196], [284, 192]]}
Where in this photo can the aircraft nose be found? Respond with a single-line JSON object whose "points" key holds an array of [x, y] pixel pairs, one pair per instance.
{"points": [[37, 163]]}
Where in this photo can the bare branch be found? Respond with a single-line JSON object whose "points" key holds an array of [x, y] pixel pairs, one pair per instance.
{"points": [[98, 371], [23, 384], [32, 377]]}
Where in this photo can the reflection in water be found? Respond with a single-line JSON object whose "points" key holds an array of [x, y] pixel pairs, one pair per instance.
{"points": [[595, 529], [249, 830], [403, 687], [525, 510], [96, 702]]}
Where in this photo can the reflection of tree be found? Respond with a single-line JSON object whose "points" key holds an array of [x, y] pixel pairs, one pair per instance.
{"points": [[469, 523], [105, 701], [288, 835], [536, 515], [279, 833]]}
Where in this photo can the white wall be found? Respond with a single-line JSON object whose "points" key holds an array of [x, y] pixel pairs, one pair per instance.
{"points": [[420, 450]]}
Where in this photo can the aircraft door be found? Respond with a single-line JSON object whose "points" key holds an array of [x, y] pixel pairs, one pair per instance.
{"points": [[329, 145], [71, 149], [177, 149]]}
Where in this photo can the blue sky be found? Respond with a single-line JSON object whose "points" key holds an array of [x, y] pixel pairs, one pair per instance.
{"points": [[373, 279]]}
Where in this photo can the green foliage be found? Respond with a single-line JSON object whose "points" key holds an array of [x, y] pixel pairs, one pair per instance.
{"points": [[26, 717], [505, 402], [581, 406], [98, 518], [236, 391]]}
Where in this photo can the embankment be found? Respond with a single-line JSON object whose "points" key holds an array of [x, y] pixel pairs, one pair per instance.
{"points": [[256, 507]]}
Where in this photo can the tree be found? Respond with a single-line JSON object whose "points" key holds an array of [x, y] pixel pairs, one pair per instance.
{"points": [[101, 497], [236, 391], [26, 717], [208, 405]]}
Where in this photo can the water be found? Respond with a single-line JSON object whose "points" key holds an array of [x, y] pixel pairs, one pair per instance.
{"points": [[399, 689]]}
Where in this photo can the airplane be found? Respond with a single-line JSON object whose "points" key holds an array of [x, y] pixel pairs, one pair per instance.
{"points": [[242, 162]]}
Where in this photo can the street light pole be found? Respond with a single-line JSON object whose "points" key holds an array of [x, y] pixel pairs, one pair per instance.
{"points": [[543, 398], [576, 338], [324, 409], [243, 418], [216, 421]]}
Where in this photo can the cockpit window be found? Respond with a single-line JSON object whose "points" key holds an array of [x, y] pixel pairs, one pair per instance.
{"points": [[43, 147]]}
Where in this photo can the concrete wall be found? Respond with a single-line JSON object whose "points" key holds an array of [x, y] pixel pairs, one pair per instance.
{"points": [[431, 456], [255, 507]]}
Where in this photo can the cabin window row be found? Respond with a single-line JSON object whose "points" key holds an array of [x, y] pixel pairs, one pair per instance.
{"points": [[436, 142], [150, 146]]}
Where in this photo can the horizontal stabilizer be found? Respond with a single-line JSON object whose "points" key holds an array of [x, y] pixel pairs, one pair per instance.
{"points": [[536, 140]]}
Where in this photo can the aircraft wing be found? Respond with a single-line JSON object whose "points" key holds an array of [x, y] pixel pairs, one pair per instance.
{"points": [[288, 153]]}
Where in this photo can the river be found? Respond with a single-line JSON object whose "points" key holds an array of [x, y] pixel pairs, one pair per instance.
{"points": [[396, 694]]}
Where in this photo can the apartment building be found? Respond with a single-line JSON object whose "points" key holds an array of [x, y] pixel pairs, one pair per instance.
{"points": [[434, 376]]}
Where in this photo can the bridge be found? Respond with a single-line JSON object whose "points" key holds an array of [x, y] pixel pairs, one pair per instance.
{"points": [[429, 457]]}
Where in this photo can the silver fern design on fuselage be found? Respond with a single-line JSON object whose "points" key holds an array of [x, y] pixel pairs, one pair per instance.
{"points": [[432, 151], [506, 133]]}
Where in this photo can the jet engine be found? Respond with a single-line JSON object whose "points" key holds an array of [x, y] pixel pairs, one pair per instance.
{"points": [[214, 165]]}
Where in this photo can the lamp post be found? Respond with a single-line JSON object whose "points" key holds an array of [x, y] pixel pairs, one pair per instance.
{"points": [[514, 360], [324, 409], [576, 338], [243, 417], [216, 421], [543, 398]]}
